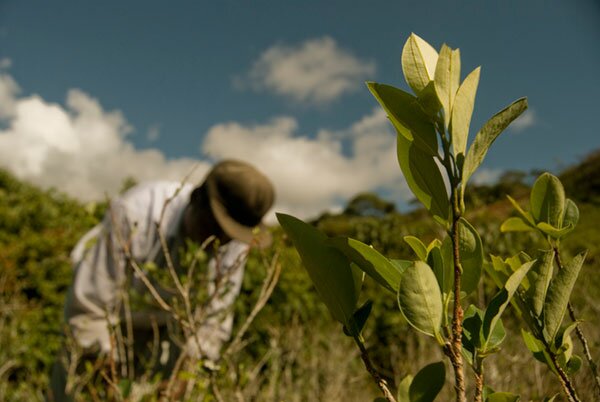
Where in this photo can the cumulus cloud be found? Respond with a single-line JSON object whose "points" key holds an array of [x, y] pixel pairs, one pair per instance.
{"points": [[83, 150], [317, 71], [526, 120], [153, 133], [486, 176], [312, 174], [78, 148]]}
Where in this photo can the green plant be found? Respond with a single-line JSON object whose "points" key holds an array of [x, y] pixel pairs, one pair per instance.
{"points": [[432, 135]]}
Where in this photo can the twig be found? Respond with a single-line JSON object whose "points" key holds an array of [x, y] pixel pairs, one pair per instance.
{"points": [[564, 379], [379, 380], [457, 318], [265, 293], [579, 332]]}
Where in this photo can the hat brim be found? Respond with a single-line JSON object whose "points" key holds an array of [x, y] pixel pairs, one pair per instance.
{"points": [[258, 235]]}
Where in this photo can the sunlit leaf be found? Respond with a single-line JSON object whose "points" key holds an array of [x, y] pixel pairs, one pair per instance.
{"points": [[378, 267], [502, 397], [417, 246], [498, 304], [536, 347], [447, 79], [420, 299], [558, 296], [327, 267], [524, 214], [488, 134], [571, 216], [419, 59], [548, 200], [407, 116], [403, 389], [462, 111], [515, 224], [554, 232], [542, 270], [428, 383]]}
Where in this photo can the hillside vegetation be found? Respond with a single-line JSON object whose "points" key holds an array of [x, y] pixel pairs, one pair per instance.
{"points": [[294, 351]]}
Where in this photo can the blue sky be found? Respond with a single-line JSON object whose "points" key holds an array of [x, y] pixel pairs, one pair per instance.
{"points": [[93, 92]]}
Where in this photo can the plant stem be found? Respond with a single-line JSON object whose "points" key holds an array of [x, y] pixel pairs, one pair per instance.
{"points": [[579, 332], [479, 384], [564, 380], [457, 317], [379, 380]]}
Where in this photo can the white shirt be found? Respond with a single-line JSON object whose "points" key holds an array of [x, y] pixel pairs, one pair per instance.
{"points": [[94, 299]]}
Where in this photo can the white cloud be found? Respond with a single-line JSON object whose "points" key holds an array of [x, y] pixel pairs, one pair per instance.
{"points": [[486, 176], [5, 63], [526, 120], [8, 93], [78, 148], [153, 133], [313, 174], [83, 150], [316, 71]]}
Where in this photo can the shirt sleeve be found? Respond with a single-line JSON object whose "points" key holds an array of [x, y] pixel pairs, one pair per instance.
{"points": [[226, 273]]}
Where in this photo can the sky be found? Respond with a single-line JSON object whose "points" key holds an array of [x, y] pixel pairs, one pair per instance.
{"points": [[94, 92]]}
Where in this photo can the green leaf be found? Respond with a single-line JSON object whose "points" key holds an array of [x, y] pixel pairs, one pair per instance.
{"points": [[327, 267], [471, 256], [447, 79], [548, 200], [551, 398], [554, 232], [558, 296], [420, 299], [424, 178], [418, 62], [369, 260], [526, 215], [428, 383], [573, 365], [429, 101], [563, 337], [407, 116], [515, 224], [498, 304], [125, 386], [442, 270], [502, 397], [571, 216], [471, 339], [542, 272], [418, 247], [359, 319], [403, 389], [497, 335], [535, 346], [488, 134], [401, 265], [462, 111]]}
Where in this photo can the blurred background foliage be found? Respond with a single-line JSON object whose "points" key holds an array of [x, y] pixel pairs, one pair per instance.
{"points": [[294, 351]]}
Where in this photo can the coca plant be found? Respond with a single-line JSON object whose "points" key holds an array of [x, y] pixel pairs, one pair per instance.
{"points": [[432, 126]]}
